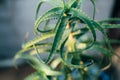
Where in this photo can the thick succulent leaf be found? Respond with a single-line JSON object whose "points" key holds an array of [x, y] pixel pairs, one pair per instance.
{"points": [[104, 51], [93, 8], [42, 48], [37, 76], [58, 37], [47, 27], [53, 2], [114, 41], [86, 19], [64, 36], [38, 8], [107, 26], [71, 2], [78, 32], [59, 21], [39, 65], [107, 41], [98, 26], [51, 14], [110, 20], [67, 62], [75, 3], [55, 63], [24, 51], [38, 39]]}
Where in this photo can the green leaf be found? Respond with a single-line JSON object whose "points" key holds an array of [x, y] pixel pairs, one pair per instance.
{"points": [[58, 37], [79, 32], [52, 2], [38, 39], [103, 50], [75, 4], [98, 26], [64, 36], [39, 65], [51, 14], [84, 18], [42, 48], [93, 8], [107, 41], [36, 76], [38, 8], [107, 26], [55, 63], [110, 20], [67, 61], [56, 3]]}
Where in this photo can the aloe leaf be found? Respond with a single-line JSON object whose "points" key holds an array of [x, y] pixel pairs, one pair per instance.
{"points": [[51, 14], [78, 32], [65, 36], [107, 26], [38, 8], [38, 39], [107, 41], [85, 19], [114, 41], [68, 61], [41, 48], [59, 21], [58, 37], [36, 76], [68, 64], [47, 27], [99, 27], [55, 63], [39, 65], [55, 2], [75, 3], [52, 2], [103, 50], [109, 20], [93, 8], [71, 2]]}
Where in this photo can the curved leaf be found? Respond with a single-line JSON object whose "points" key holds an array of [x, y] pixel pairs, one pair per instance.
{"points": [[52, 2], [98, 26], [68, 63], [38, 8], [36, 76], [51, 14], [75, 4], [41, 48], [38, 39], [107, 26], [107, 41], [58, 36], [39, 65], [83, 17], [93, 8], [109, 20], [103, 50]]}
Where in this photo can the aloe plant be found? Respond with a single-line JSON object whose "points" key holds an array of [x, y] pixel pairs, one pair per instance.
{"points": [[74, 44]]}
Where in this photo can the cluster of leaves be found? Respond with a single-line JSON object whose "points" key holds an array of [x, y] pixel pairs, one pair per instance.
{"points": [[73, 37]]}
